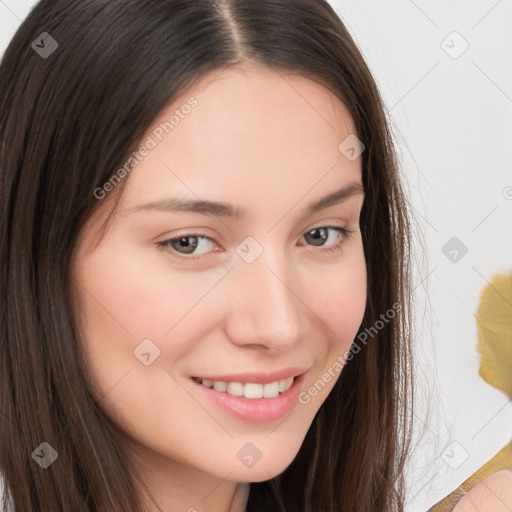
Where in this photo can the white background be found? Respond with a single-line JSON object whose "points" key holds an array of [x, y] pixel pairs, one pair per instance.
{"points": [[452, 123]]}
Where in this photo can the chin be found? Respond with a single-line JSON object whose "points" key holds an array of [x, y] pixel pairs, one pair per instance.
{"points": [[266, 466]]}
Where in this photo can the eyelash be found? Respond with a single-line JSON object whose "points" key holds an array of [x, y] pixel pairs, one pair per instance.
{"points": [[164, 245]]}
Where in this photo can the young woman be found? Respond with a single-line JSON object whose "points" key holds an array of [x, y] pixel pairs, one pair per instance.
{"points": [[205, 263]]}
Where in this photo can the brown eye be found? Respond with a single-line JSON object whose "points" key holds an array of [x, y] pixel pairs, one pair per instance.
{"points": [[321, 234], [186, 244]]}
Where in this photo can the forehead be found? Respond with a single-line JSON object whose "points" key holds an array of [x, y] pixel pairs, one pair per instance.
{"points": [[257, 100], [253, 134]]}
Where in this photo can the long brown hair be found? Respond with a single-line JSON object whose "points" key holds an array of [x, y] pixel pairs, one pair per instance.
{"points": [[68, 120]]}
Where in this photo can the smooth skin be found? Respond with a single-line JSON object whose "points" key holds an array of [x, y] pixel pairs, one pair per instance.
{"points": [[494, 493], [267, 142]]}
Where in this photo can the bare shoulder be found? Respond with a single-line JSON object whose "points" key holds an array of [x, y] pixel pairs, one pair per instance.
{"points": [[494, 493]]}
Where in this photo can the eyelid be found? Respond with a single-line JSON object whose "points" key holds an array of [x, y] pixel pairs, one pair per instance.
{"points": [[343, 232]]}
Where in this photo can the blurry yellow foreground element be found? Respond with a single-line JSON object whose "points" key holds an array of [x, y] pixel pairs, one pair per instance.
{"points": [[494, 321]]}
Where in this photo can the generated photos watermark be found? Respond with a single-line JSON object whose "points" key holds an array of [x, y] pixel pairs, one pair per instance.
{"points": [[337, 366], [151, 142]]}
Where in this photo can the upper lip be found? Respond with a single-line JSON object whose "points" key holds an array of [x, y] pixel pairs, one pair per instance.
{"points": [[257, 377]]}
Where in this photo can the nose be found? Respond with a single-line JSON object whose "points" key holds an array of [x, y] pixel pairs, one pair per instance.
{"points": [[265, 311]]}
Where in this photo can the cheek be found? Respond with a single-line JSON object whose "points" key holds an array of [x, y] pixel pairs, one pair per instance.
{"points": [[123, 302], [344, 304], [340, 303], [133, 299], [340, 298]]}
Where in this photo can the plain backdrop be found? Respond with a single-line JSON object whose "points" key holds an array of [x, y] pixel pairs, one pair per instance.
{"points": [[444, 71]]}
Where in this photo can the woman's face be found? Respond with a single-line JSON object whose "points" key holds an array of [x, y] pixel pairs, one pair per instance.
{"points": [[270, 293]]}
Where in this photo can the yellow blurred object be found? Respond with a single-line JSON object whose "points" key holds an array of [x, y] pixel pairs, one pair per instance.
{"points": [[494, 322]]}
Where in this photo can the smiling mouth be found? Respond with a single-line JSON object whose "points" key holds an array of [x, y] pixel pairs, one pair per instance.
{"points": [[248, 390]]}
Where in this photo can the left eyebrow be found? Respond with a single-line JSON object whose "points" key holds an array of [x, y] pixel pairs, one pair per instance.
{"points": [[214, 208], [337, 197]]}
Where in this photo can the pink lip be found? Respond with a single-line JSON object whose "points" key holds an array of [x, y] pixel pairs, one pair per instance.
{"points": [[257, 377], [255, 410]]}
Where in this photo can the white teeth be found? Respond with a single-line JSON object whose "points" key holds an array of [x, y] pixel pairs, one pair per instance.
{"points": [[271, 390], [220, 386], [253, 390], [235, 389], [249, 390], [285, 384]]}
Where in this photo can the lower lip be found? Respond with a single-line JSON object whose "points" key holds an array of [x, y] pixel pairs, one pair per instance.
{"points": [[255, 410]]}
